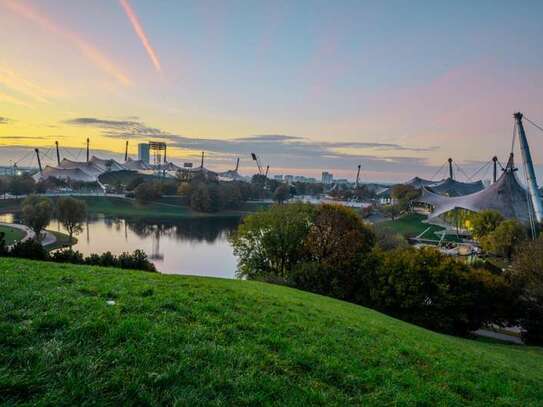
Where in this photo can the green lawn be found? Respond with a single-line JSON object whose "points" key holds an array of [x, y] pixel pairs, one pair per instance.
{"points": [[411, 225], [199, 341], [12, 235]]}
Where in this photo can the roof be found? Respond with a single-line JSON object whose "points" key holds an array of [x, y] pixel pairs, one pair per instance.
{"points": [[420, 182], [506, 196], [451, 187], [74, 174]]}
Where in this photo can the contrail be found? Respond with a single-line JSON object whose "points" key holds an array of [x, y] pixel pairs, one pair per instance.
{"points": [[136, 25], [87, 49]]}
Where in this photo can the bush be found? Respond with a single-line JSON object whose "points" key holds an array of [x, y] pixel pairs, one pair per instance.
{"points": [[67, 256], [29, 249], [505, 239], [426, 288], [527, 275]]}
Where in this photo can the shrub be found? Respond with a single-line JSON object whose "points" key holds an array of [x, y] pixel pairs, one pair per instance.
{"points": [[67, 256], [147, 192], [29, 249], [429, 289]]}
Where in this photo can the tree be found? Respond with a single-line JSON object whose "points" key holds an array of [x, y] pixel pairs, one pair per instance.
{"points": [[338, 246], [527, 274], [37, 213], [71, 213], [387, 239], [391, 211], [269, 244], [3, 187], [504, 240], [200, 199], [484, 222], [281, 193], [21, 185], [147, 192], [230, 195], [430, 289], [404, 194]]}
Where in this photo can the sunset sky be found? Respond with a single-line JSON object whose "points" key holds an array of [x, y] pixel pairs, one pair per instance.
{"points": [[398, 86]]}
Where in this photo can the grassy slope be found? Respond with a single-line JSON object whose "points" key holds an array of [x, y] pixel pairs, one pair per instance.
{"points": [[12, 235], [210, 341]]}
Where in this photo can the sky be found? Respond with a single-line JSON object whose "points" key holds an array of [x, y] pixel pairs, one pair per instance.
{"points": [[396, 86]]}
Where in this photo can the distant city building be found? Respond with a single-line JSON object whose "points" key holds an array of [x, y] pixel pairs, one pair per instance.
{"points": [[278, 178], [144, 152], [342, 181], [306, 180], [288, 179], [327, 178]]}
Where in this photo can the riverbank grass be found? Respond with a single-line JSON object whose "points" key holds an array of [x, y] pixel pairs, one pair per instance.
{"points": [[77, 334]]}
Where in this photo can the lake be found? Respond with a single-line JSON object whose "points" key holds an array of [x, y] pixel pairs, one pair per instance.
{"points": [[195, 246]]}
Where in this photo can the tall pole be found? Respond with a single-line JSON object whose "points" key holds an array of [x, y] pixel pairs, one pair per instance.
{"points": [[530, 173], [165, 153], [58, 153], [237, 165], [88, 151], [202, 163], [126, 152], [358, 175], [495, 174], [39, 161], [450, 168]]}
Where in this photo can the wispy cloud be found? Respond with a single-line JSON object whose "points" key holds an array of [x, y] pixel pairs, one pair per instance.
{"points": [[15, 82], [87, 49], [138, 29], [4, 97]]}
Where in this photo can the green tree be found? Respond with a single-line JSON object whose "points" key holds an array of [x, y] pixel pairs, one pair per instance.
{"points": [[200, 199], [147, 192], [391, 211], [270, 243], [426, 288], [485, 222], [230, 195], [71, 213], [404, 194], [527, 274], [281, 193], [21, 185], [504, 240], [37, 213], [4, 187]]}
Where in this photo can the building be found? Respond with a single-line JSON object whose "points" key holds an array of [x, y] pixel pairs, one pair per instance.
{"points": [[327, 178], [144, 153], [289, 179], [278, 178]]}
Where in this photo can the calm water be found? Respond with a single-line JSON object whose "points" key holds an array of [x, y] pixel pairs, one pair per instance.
{"points": [[188, 246]]}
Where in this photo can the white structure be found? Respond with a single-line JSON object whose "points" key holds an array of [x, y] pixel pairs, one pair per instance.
{"points": [[327, 178]]}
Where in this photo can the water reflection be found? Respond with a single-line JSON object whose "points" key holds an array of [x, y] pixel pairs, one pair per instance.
{"points": [[196, 246]]}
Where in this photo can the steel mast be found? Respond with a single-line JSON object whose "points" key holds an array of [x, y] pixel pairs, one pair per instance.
{"points": [[530, 173]]}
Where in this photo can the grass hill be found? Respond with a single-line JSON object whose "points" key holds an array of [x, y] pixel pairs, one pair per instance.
{"points": [[74, 334]]}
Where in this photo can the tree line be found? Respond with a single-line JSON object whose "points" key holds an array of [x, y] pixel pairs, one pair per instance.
{"points": [[328, 249]]}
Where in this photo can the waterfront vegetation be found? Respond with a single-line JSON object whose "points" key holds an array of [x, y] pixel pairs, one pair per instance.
{"points": [[81, 334]]}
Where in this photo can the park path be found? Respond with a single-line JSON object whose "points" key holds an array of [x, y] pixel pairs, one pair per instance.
{"points": [[49, 238]]}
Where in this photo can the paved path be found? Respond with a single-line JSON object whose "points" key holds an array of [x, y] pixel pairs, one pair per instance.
{"points": [[47, 240]]}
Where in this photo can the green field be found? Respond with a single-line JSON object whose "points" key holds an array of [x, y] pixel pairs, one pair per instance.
{"points": [[411, 225], [12, 235], [168, 340]]}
